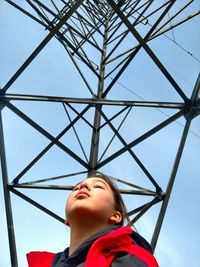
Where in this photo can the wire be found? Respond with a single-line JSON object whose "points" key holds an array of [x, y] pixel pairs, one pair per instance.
{"points": [[184, 49], [173, 35], [173, 38], [178, 44]]}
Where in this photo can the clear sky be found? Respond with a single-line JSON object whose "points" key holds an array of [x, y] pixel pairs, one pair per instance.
{"points": [[52, 73]]}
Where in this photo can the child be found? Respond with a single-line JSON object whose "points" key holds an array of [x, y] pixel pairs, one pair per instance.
{"points": [[95, 213]]}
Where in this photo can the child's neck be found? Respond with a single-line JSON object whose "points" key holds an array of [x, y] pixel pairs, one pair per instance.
{"points": [[80, 233]]}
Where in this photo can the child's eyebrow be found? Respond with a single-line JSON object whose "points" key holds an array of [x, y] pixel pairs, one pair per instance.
{"points": [[101, 181], [95, 179]]}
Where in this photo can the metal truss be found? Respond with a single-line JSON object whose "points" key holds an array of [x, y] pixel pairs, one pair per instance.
{"points": [[93, 34]]}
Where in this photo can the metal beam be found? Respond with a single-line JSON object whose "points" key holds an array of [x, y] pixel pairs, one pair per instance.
{"points": [[137, 48], [143, 43], [42, 44], [95, 101], [133, 155], [63, 187], [94, 149], [46, 149], [7, 199], [170, 184], [195, 100], [141, 138], [46, 134], [37, 205]]}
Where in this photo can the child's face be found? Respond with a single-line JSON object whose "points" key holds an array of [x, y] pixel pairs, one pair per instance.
{"points": [[90, 199]]}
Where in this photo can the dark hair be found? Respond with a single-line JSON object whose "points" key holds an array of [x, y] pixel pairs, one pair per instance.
{"points": [[119, 203]]}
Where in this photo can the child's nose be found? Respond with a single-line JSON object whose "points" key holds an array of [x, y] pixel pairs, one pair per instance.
{"points": [[85, 184]]}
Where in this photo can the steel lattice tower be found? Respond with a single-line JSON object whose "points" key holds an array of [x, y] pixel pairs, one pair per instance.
{"points": [[104, 41]]}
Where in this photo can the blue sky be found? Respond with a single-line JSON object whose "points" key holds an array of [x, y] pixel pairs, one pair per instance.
{"points": [[52, 73]]}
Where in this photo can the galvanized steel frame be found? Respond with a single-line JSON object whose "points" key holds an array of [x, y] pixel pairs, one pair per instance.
{"points": [[110, 15]]}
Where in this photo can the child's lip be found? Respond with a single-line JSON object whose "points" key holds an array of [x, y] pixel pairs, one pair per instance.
{"points": [[82, 193]]}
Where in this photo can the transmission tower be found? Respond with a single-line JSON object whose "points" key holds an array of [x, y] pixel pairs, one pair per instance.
{"points": [[110, 47]]}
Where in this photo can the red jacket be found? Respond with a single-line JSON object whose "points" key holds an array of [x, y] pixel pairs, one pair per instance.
{"points": [[102, 252], [40, 258]]}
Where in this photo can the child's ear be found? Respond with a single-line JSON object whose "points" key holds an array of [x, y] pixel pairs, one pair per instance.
{"points": [[67, 222], [116, 217]]}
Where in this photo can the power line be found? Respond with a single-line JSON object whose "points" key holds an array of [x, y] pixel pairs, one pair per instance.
{"points": [[184, 49], [178, 44], [173, 35]]}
